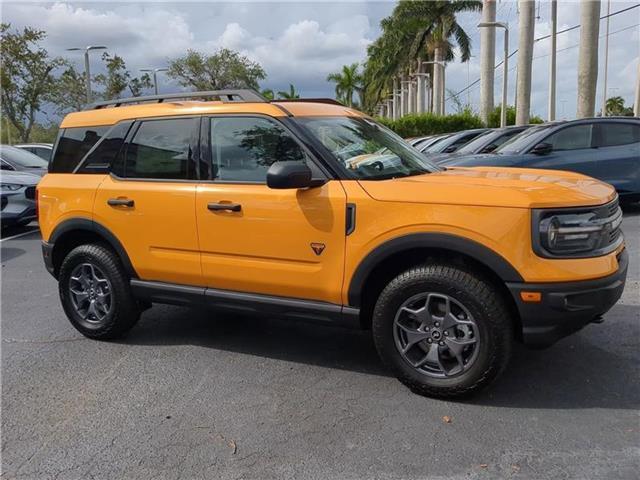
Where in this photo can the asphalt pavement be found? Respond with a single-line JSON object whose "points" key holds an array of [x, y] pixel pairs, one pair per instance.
{"points": [[192, 394]]}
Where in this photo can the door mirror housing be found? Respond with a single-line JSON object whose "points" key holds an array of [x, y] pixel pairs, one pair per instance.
{"points": [[450, 149], [542, 149], [284, 175]]}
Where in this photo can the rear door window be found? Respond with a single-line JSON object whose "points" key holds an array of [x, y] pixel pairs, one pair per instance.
{"points": [[73, 144], [618, 133]]}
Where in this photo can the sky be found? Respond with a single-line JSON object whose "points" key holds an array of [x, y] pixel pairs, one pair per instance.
{"points": [[301, 42]]}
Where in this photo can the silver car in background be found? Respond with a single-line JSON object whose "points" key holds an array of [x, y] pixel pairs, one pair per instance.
{"points": [[17, 194]]}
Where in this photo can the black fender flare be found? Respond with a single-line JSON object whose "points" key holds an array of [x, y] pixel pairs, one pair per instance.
{"points": [[88, 225], [442, 241]]}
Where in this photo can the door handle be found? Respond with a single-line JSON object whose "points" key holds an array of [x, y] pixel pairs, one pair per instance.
{"points": [[231, 207], [120, 202]]}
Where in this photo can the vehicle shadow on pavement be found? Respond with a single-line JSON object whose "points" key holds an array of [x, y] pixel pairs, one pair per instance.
{"points": [[587, 370], [9, 253]]}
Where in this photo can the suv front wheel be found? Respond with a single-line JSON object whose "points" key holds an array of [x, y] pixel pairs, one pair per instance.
{"points": [[443, 330], [95, 293]]}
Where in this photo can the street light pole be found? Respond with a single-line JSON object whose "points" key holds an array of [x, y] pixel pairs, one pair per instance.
{"points": [[606, 62], [155, 76], [552, 62], [87, 70], [505, 67]]}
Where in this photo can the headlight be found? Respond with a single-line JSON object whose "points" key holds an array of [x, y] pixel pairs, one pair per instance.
{"points": [[10, 187], [577, 232]]}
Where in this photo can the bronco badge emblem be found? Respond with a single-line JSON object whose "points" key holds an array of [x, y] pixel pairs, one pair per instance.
{"points": [[318, 248]]}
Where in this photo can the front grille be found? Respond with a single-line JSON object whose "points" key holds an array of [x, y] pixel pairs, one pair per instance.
{"points": [[610, 215]]}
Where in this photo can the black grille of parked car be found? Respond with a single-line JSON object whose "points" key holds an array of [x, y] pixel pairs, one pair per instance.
{"points": [[30, 193], [4, 203]]}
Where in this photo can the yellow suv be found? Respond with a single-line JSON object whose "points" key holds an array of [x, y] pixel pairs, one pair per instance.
{"points": [[310, 210]]}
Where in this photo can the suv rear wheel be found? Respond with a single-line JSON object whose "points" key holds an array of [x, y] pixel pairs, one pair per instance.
{"points": [[443, 330], [95, 293]]}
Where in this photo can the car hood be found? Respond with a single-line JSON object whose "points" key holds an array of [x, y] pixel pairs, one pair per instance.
{"points": [[498, 187], [21, 178]]}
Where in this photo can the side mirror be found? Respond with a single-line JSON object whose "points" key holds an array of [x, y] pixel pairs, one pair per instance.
{"points": [[450, 149], [542, 149], [289, 175]]}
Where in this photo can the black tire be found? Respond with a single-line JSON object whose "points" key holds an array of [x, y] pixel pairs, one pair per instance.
{"points": [[480, 298], [123, 312]]}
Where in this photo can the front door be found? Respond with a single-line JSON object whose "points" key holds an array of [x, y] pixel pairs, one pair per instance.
{"points": [[287, 243]]}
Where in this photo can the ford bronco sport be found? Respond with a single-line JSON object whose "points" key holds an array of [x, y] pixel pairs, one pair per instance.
{"points": [[312, 211]]}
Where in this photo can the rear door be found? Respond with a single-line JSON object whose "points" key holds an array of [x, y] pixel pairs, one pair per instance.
{"points": [[148, 201], [287, 243]]}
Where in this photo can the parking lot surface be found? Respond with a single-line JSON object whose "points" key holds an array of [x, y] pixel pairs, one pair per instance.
{"points": [[193, 394]]}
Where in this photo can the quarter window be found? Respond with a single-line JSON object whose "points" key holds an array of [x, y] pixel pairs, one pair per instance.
{"points": [[161, 149], [571, 138], [106, 150], [243, 148], [73, 144], [618, 133]]}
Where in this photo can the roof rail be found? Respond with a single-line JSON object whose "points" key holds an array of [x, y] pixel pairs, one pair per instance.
{"points": [[329, 101], [226, 96]]}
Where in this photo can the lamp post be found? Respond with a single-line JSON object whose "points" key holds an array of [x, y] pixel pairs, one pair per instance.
{"points": [[505, 67], [443, 65], [155, 76], [87, 71]]}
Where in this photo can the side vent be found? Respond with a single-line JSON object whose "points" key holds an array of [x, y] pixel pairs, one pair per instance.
{"points": [[351, 218]]}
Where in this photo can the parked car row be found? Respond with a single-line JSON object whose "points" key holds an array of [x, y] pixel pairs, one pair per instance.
{"points": [[604, 148], [21, 172]]}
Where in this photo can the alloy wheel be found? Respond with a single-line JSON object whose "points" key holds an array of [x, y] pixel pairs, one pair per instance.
{"points": [[436, 335]]}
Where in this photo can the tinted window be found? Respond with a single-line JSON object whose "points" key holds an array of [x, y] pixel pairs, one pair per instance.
{"points": [[161, 149], [523, 140], [73, 144], [243, 148], [571, 138], [619, 133], [105, 151]]}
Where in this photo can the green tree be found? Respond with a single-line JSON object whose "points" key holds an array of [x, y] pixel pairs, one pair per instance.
{"points": [[224, 69], [348, 81], [494, 117], [268, 94], [26, 77], [69, 92], [118, 79], [290, 95], [615, 106]]}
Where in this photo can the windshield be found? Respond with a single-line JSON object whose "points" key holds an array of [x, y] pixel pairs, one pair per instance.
{"points": [[366, 149], [521, 141], [22, 158], [478, 143]]}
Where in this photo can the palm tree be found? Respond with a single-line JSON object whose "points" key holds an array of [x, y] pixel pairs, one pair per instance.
{"points": [[417, 30], [588, 57], [290, 95], [615, 106], [348, 81]]}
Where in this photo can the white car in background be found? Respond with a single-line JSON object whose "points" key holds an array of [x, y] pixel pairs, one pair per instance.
{"points": [[17, 194]]}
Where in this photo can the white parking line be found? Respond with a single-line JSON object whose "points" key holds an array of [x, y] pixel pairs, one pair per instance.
{"points": [[19, 235]]}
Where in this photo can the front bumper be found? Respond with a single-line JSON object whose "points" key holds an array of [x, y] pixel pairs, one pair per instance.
{"points": [[567, 307]]}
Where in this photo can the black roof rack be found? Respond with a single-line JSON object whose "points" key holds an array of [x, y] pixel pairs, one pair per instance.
{"points": [[226, 96], [329, 101]]}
